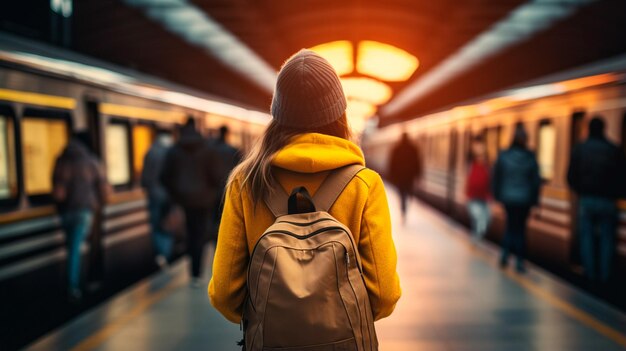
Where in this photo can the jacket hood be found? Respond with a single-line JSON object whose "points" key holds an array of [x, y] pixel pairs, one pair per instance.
{"points": [[313, 152]]}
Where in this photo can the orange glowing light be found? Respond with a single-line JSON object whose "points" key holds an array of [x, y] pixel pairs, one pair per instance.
{"points": [[339, 54], [360, 109], [385, 62], [366, 89], [586, 82], [462, 112]]}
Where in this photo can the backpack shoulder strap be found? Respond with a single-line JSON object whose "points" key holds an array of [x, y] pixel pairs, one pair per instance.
{"points": [[333, 186], [330, 189], [277, 200]]}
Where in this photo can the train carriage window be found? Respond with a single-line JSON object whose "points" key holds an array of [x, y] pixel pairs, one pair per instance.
{"points": [[8, 164], [143, 135], [546, 149], [44, 136], [492, 141], [504, 135], [117, 146], [578, 130], [467, 145]]}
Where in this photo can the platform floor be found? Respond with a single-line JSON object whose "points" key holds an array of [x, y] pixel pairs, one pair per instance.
{"points": [[454, 298]]}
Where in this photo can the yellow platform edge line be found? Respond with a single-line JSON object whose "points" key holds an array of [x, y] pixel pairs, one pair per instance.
{"points": [[560, 304], [570, 310], [37, 99], [556, 302], [112, 328]]}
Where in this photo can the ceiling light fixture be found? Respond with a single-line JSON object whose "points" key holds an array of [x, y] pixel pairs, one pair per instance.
{"points": [[360, 109], [366, 89], [339, 54], [385, 62]]}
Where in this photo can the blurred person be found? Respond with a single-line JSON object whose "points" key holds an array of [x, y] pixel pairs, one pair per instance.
{"points": [[79, 191], [191, 175], [477, 190], [516, 184], [159, 203], [597, 173], [230, 157], [307, 139], [404, 167]]}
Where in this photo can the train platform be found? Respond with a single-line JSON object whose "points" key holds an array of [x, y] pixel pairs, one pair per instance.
{"points": [[455, 297]]}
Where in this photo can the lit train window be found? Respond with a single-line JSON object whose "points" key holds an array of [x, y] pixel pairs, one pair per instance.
{"points": [[43, 140], [117, 148], [8, 171], [546, 148], [143, 135], [492, 141], [505, 138]]}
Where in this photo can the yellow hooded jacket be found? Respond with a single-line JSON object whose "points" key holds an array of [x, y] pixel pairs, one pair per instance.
{"points": [[362, 207]]}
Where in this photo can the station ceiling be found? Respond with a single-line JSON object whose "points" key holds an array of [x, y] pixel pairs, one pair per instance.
{"points": [[555, 35]]}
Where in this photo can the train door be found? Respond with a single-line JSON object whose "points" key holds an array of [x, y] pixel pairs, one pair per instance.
{"points": [[95, 273], [451, 186], [577, 134]]}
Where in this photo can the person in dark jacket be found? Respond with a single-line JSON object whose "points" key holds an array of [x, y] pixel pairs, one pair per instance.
{"points": [[159, 203], [477, 191], [597, 173], [404, 167], [230, 157], [79, 190], [192, 175], [516, 183]]}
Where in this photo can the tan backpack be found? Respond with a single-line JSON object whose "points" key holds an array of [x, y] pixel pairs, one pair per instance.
{"points": [[305, 285]]}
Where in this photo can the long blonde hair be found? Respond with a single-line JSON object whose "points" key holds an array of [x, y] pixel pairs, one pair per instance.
{"points": [[255, 171]]}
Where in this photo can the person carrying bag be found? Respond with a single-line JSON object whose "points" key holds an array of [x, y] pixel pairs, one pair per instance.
{"points": [[312, 270]]}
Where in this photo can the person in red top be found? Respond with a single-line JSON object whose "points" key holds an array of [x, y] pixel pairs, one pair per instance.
{"points": [[477, 190]]}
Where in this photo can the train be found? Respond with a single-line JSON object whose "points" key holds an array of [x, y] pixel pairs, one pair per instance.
{"points": [[555, 111], [45, 94]]}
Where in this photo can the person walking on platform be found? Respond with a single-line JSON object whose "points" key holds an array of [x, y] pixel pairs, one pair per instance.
{"points": [[230, 157], [516, 184], [404, 167], [192, 176], [79, 190], [305, 147], [597, 173], [477, 191], [159, 203]]}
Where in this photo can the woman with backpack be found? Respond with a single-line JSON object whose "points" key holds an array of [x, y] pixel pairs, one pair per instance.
{"points": [[296, 280]]}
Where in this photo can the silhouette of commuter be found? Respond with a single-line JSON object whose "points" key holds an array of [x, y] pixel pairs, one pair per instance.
{"points": [[230, 157], [192, 176], [404, 167], [597, 173], [516, 183], [477, 190], [159, 203], [79, 190], [307, 141]]}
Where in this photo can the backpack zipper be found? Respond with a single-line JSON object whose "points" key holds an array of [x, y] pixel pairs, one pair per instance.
{"points": [[304, 224]]}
